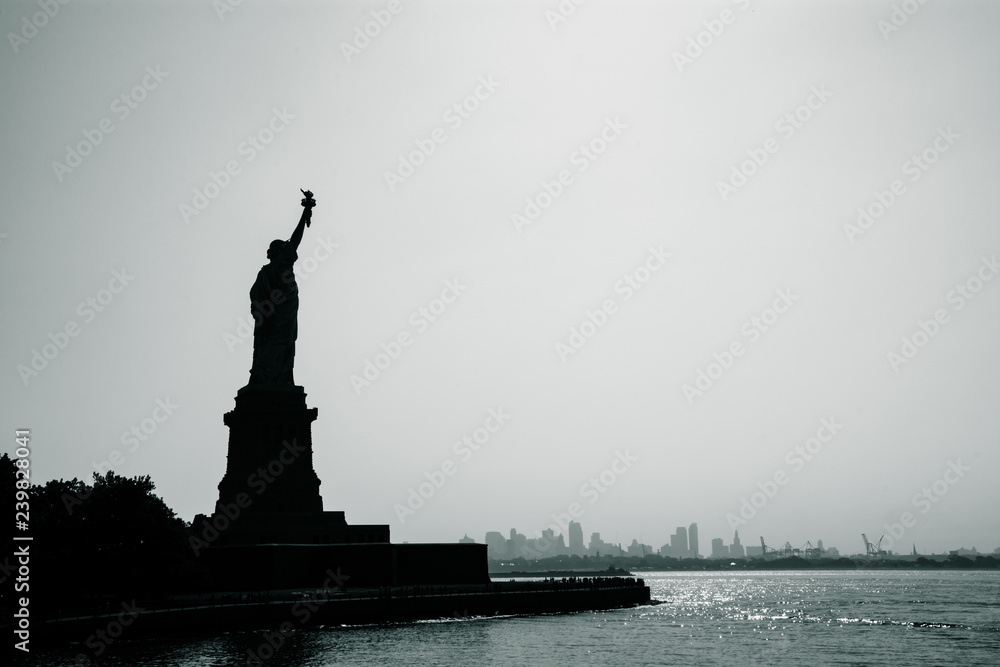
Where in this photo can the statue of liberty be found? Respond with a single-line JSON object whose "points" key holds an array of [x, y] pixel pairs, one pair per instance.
{"points": [[274, 304]]}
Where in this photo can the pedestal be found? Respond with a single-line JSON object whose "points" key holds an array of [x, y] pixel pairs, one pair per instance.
{"points": [[270, 452], [270, 492]]}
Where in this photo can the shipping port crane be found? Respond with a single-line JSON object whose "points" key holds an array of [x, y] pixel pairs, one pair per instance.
{"points": [[787, 551], [766, 550], [782, 552], [810, 551], [875, 550]]}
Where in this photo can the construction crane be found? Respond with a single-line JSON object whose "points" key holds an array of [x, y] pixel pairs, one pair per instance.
{"points": [[875, 550]]}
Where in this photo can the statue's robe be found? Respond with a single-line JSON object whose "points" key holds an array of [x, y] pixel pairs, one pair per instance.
{"points": [[274, 304]]}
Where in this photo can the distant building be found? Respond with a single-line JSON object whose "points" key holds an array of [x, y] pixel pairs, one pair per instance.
{"points": [[576, 547], [679, 543], [962, 551], [496, 545], [736, 549], [639, 550], [754, 552], [467, 540], [719, 550], [693, 541], [517, 545], [599, 547], [546, 546]]}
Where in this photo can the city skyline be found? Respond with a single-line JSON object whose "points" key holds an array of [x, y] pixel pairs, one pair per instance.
{"points": [[551, 543]]}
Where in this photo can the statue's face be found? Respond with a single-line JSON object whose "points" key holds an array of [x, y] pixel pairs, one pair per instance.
{"points": [[272, 250]]}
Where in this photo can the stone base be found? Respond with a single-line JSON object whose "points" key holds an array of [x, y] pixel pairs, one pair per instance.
{"points": [[269, 467], [253, 528], [269, 530], [279, 566]]}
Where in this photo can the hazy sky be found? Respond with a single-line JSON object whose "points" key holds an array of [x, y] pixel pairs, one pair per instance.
{"points": [[697, 168]]}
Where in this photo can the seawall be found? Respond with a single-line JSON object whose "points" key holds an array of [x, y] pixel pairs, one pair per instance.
{"points": [[336, 608]]}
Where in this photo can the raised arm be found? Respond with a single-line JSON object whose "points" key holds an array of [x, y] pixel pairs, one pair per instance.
{"points": [[296, 237], [307, 206]]}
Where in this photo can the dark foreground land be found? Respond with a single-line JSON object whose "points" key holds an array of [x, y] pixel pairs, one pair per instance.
{"points": [[110, 559], [289, 610]]}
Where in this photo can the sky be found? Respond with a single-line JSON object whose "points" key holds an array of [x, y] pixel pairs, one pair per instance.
{"points": [[726, 263]]}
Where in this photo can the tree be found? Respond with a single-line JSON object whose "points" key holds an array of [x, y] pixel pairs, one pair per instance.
{"points": [[8, 564], [113, 539]]}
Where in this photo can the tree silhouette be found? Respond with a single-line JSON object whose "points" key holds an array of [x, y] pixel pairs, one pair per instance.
{"points": [[8, 564], [113, 540]]}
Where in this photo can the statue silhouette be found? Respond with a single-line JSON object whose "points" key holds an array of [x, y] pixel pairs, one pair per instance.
{"points": [[274, 304]]}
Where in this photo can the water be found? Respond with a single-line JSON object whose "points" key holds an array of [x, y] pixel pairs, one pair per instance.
{"points": [[712, 618]]}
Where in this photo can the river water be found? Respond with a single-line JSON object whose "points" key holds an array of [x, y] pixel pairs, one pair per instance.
{"points": [[856, 617]]}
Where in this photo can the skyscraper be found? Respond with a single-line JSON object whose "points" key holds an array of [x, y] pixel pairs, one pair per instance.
{"points": [[736, 549], [576, 539], [496, 545], [719, 550], [679, 543], [693, 540], [599, 546]]}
